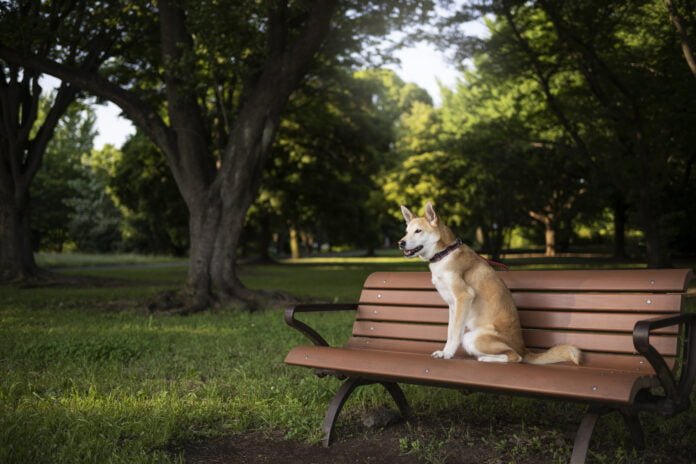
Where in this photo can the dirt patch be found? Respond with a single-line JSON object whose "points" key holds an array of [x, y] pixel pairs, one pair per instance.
{"points": [[425, 440], [258, 448], [402, 443]]}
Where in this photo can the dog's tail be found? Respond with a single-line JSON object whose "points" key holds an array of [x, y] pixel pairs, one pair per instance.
{"points": [[555, 354]]}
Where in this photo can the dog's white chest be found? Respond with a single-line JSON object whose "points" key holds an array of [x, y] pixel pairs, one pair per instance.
{"points": [[443, 288]]}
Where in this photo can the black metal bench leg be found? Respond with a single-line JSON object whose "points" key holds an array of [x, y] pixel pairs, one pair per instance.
{"points": [[582, 438], [399, 398], [336, 405], [633, 424]]}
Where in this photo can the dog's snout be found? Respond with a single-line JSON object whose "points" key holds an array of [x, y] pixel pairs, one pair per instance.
{"points": [[402, 244]]}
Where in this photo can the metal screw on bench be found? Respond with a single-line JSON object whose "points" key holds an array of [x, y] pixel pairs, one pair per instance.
{"points": [[379, 295], [595, 388], [648, 301]]}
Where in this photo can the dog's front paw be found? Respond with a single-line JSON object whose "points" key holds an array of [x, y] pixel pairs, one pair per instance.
{"points": [[442, 354]]}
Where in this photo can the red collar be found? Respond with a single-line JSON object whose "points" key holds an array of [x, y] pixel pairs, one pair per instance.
{"points": [[440, 255]]}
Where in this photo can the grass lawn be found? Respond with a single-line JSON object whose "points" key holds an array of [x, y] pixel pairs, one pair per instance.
{"points": [[87, 375]]}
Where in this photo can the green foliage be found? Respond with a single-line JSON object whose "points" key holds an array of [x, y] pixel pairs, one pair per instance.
{"points": [[71, 204], [95, 219], [54, 184], [333, 146], [155, 215]]}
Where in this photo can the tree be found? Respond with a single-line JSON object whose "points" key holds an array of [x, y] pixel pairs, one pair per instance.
{"points": [[333, 144], [95, 219], [54, 184], [681, 26], [74, 33], [155, 217], [605, 85], [222, 94]]}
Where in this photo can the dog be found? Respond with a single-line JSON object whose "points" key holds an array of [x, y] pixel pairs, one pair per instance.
{"points": [[482, 314]]}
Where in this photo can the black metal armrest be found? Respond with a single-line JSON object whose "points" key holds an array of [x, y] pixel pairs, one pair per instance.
{"points": [[677, 391], [309, 332]]}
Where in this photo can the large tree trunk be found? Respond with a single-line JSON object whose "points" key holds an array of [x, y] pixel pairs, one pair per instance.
{"points": [[16, 254], [21, 152]]}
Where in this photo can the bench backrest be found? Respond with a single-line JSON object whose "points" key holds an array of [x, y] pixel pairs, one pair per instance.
{"points": [[594, 310]]}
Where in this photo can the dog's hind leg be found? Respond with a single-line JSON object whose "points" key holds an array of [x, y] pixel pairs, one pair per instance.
{"points": [[489, 347]]}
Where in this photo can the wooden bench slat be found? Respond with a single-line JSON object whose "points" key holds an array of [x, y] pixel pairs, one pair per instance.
{"points": [[600, 342], [422, 332], [592, 341], [402, 297], [614, 322], [561, 381], [629, 362], [627, 302], [650, 280], [632, 302]]}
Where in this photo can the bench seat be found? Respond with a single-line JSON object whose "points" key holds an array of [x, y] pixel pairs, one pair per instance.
{"points": [[564, 381]]}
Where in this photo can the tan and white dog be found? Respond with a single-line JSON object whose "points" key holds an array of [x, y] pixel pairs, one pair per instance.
{"points": [[482, 314]]}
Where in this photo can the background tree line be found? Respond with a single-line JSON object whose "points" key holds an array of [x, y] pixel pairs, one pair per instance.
{"points": [[574, 116]]}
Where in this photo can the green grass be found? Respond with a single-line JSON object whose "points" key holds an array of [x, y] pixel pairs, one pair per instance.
{"points": [[86, 375], [64, 260]]}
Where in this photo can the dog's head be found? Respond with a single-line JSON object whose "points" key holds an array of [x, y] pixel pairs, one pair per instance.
{"points": [[422, 233]]}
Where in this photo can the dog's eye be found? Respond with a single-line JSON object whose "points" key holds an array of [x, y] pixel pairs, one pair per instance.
{"points": [[417, 231]]}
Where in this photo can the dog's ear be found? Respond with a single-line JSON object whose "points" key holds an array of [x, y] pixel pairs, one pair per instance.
{"points": [[407, 214], [430, 214]]}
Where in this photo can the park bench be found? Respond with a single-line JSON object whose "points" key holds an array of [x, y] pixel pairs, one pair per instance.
{"points": [[639, 346]]}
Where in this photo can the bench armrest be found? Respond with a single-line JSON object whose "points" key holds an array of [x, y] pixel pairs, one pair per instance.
{"points": [[677, 391], [309, 332]]}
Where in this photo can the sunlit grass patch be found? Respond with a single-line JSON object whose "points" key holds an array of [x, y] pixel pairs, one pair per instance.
{"points": [[52, 260]]}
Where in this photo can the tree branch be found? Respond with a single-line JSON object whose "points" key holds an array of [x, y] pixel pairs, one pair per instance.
{"points": [[136, 109], [260, 112], [185, 113], [65, 96], [687, 49], [551, 100]]}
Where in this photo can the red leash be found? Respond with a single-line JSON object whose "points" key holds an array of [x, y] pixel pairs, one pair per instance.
{"points": [[495, 263]]}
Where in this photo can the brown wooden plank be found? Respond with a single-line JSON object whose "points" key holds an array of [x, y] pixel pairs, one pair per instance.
{"points": [[592, 341], [420, 314], [402, 297], [613, 322], [633, 302], [629, 362], [623, 302], [556, 380], [600, 342], [650, 280], [590, 321], [405, 346], [403, 331]]}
